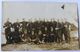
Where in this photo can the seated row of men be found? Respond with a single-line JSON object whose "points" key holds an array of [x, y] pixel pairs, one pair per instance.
{"points": [[37, 32]]}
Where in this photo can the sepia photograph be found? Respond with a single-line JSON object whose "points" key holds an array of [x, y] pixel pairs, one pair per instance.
{"points": [[39, 26]]}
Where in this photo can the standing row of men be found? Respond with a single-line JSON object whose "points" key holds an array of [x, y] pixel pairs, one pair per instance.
{"points": [[37, 32]]}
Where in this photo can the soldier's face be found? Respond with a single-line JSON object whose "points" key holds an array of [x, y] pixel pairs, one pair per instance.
{"points": [[65, 25]]}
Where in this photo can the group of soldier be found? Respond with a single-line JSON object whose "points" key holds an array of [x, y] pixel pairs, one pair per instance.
{"points": [[37, 32]]}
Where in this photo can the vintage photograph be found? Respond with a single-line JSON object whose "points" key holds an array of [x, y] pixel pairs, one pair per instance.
{"points": [[31, 26]]}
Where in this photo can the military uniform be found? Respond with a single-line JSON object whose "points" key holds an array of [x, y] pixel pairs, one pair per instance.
{"points": [[7, 26]]}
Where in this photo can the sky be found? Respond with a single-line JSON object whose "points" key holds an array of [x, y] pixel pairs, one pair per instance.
{"points": [[39, 10]]}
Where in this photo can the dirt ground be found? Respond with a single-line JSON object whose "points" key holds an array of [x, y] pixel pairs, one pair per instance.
{"points": [[48, 46]]}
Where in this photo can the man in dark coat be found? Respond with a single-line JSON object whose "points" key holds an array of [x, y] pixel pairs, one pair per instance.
{"points": [[17, 35], [58, 32], [7, 26], [66, 33], [24, 30]]}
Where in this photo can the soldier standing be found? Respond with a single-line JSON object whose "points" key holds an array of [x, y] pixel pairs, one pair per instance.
{"points": [[16, 27], [24, 30], [7, 26], [58, 31], [66, 32]]}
